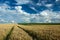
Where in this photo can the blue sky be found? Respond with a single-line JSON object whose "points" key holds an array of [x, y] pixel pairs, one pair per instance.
{"points": [[29, 11]]}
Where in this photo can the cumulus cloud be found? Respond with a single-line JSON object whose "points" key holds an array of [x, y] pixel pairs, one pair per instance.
{"points": [[49, 5], [20, 16], [22, 1], [2, 20], [44, 16]]}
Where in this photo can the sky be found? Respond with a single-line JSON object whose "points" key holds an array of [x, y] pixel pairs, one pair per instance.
{"points": [[29, 11]]}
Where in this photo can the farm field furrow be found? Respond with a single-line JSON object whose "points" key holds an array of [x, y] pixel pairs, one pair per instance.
{"points": [[4, 30], [43, 32], [19, 34], [12, 32], [29, 32]]}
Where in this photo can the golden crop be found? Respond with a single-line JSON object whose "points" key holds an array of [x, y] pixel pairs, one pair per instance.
{"points": [[29, 32]]}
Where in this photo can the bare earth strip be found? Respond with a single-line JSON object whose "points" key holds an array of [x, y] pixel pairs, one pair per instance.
{"points": [[29, 32]]}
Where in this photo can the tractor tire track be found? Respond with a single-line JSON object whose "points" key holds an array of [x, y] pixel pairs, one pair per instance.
{"points": [[34, 36], [8, 35]]}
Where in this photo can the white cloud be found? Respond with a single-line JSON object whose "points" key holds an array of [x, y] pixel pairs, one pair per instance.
{"points": [[44, 16], [23, 1], [34, 9], [50, 15], [48, 5], [3, 7], [44, 13], [57, 0], [20, 11], [2, 20], [21, 16], [39, 4], [13, 21]]}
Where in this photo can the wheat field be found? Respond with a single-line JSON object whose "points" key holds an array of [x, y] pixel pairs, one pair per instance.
{"points": [[29, 32]]}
